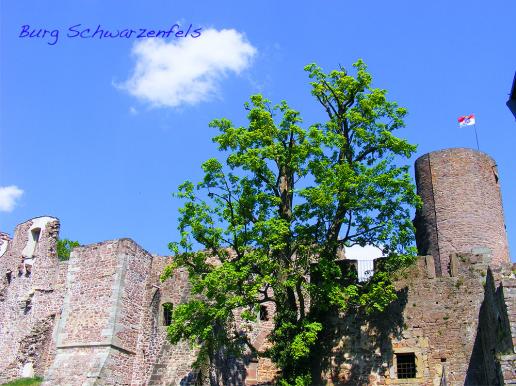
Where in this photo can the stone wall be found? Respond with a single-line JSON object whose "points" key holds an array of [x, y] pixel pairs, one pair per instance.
{"points": [[102, 314], [120, 337], [111, 329], [435, 318], [496, 338], [158, 362], [31, 292]]}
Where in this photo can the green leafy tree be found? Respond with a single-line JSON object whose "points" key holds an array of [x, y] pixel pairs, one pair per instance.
{"points": [[279, 208], [64, 247]]}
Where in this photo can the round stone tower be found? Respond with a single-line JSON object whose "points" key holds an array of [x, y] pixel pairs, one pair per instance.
{"points": [[462, 206]]}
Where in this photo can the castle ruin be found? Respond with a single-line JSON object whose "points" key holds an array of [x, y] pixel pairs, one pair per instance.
{"points": [[100, 318]]}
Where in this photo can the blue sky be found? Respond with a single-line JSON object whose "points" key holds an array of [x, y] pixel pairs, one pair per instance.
{"points": [[100, 132]]}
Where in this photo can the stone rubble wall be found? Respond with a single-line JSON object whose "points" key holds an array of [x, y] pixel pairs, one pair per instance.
{"points": [[508, 358], [435, 317], [120, 337], [111, 329], [30, 302], [155, 355], [102, 313]]}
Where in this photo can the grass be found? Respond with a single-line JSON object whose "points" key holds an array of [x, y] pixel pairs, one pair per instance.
{"points": [[24, 382]]}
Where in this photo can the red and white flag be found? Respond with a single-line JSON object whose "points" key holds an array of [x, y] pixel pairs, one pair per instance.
{"points": [[467, 120]]}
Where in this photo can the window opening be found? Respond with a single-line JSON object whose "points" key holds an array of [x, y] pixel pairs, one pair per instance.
{"points": [[406, 365], [264, 314], [167, 314], [35, 233]]}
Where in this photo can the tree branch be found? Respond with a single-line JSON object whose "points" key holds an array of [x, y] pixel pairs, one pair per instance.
{"points": [[366, 231]]}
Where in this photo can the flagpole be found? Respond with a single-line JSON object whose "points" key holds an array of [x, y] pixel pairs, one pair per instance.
{"points": [[469, 120], [476, 135]]}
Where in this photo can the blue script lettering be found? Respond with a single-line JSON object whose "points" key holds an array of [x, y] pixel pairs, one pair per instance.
{"points": [[80, 31], [126, 33], [197, 33], [73, 32], [39, 33]]}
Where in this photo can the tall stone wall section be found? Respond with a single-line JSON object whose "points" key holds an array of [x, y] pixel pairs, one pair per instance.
{"points": [[508, 359], [495, 333], [462, 206], [112, 329], [31, 292], [102, 315], [157, 361]]}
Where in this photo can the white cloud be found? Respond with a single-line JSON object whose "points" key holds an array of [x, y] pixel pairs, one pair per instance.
{"points": [[9, 196], [187, 71]]}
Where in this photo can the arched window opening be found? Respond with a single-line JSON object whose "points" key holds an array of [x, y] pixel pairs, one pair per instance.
{"points": [[167, 314], [34, 239], [264, 314]]}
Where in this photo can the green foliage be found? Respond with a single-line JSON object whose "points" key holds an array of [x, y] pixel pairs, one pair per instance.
{"points": [[277, 210], [25, 382], [459, 282], [64, 247]]}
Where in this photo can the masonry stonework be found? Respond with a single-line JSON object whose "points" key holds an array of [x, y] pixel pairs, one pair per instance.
{"points": [[437, 320], [31, 290], [99, 318], [462, 206]]}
